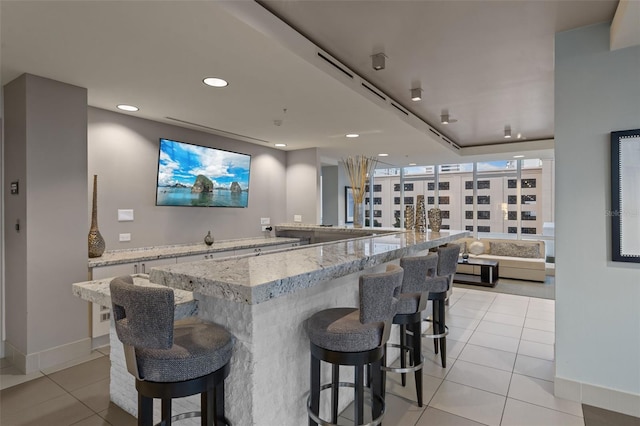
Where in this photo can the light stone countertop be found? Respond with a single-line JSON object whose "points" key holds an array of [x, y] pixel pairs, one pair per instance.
{"points": [[366, 231], [97, 291], [257, 279], [115, 257]]}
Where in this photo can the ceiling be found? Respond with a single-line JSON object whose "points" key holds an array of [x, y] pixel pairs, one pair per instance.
{"points": [[488, 63]]}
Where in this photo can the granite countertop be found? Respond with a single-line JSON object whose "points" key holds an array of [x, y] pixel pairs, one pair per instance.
{"points": [[115, 257], [97, 291], [338, 229], [257, 279]]}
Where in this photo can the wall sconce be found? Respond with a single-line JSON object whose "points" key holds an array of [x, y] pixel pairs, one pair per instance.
{"points": [[416, 94], [378, 61]]}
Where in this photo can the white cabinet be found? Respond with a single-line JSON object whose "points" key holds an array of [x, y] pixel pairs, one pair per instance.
{"points": [[101, 315]]}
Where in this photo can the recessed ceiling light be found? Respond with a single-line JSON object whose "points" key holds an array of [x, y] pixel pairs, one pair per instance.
{"points": [[129, 108], [412, 164], [215, 82], [518, 156], [281, 144], [352, 135], [383, 155]]}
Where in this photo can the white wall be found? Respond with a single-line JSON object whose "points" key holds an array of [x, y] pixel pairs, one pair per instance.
{"points": [[597, 301], [303, 185], [123, 152]]}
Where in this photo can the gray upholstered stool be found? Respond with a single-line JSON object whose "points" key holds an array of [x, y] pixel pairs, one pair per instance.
{"points": [[447, 264], [170, 360], [352, 336], [418, 282]]}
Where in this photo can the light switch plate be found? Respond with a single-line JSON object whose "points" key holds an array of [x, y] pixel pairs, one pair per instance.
{"points": [[265, 221], [125, 215], [125, 237], [297, 218]]}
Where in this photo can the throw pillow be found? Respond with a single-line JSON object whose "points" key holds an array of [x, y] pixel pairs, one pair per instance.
{"points": [[476, 248], [514, 249]]}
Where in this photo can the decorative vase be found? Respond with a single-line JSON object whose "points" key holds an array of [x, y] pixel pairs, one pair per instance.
{"points": [[409, 217], [421, 215], [208, 239], [435, 219], [96, 242], [358, 214]]}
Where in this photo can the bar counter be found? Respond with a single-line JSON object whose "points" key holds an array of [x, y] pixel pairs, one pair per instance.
{"points": [[264, 301]]}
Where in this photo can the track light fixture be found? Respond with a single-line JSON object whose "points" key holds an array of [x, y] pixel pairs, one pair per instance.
{"points": [[378, 61], [445, 118], [416, 94], [507, 132]]}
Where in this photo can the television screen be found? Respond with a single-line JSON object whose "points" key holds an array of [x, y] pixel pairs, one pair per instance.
{"points": [[193, 175]]}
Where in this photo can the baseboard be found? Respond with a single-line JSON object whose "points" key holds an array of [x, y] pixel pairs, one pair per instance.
{"points": [[598, 396], [29, 363]]}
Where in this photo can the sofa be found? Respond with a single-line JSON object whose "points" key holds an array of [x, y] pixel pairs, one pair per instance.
{"points": [[519, 259]]}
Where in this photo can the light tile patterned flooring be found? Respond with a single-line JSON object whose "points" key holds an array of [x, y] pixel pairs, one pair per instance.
{"points": [[500, 368], [500, 371]]}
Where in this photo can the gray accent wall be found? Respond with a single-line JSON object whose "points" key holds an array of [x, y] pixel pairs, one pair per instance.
{"points": [[330, 196], [303, 185], [123, 153], [45, 150], [597, 91]]}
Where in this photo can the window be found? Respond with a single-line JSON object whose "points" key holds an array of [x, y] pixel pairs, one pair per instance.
{"points": [[396, 200], [377, 213], [484, 199], [468, 199], [408, 200], [442, 186], [512, 216], [528, 199], [468, 228], [444, 226], [407, 187], [512, 199], [376, 188], [512, 230], [443, 200], [528, 183], [444, 214], [484, 215], [484, 229], [529, 230], [468, 214], [484, 184], [431, 200], [468, 184], [511, 183], [528, 216]]}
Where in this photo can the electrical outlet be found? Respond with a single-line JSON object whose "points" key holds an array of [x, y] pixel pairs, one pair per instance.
{"points": [[265, 221], [125, 237], [297, 218], [264, 228]]}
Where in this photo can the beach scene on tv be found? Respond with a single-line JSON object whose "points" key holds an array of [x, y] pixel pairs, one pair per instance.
{"points": [[193, 175]]}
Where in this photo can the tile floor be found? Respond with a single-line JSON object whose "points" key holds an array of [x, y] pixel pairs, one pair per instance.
{"points": [[499, 371]]}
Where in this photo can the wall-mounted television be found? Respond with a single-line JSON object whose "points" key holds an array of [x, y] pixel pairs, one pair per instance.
{"points": [[194, 175]]}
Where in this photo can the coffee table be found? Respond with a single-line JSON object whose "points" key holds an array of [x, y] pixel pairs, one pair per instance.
{"points": [[488, 272]]}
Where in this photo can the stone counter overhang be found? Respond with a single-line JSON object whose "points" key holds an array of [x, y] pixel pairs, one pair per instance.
{"points": [[257, 279], [97, 291], [116, 257]]}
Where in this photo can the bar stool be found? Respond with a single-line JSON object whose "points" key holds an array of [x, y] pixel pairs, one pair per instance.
{"points": [[447, 264], [418, 282], [170, 360], [354, 337]]}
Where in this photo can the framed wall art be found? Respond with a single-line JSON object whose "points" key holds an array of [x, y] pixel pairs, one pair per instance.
{"points": [[625, 196]]}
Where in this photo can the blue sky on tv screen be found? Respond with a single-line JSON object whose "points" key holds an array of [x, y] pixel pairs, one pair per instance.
{"points": [[182, 163]]}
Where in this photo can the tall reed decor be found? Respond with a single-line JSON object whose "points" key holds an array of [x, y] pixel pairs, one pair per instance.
{"points": [[96, 242], [421, 215], [358, 168]]}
